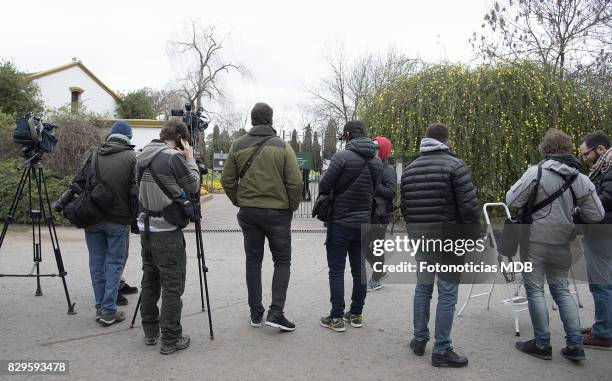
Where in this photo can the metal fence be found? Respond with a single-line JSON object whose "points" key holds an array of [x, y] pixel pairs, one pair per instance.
{"points": [[309, 194]]}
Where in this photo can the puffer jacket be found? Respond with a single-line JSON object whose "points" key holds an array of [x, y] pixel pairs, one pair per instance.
{"points": [[357, 162], [553, 224], [386, 190], [437, 188]]}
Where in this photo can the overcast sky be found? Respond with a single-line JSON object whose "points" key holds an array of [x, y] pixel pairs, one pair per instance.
{"points": [[281, 42]]}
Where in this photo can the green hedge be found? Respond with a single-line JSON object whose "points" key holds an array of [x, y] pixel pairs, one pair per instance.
{"points": [[10, 173], [497, 116]]}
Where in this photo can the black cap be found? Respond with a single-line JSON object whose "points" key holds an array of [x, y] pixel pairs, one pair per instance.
{"points": [[261, 114], [354, 127]]}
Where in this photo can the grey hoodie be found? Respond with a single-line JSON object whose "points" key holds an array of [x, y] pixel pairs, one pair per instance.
{"points": [[553, 224], [176, 173]]}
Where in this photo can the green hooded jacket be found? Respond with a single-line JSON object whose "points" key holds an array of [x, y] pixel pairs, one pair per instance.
{"points": [[273, 181]]}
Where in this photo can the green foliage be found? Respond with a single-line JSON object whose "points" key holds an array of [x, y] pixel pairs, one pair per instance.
{"points": [[497, 116], [316, 152], [18, 95], [77, 133], [307, 144], [10, 172], [329, 140], [295, 144], [137, 104], [8, 149]]}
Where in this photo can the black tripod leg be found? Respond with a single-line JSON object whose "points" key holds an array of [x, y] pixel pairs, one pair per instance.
{"points": [[199, 255], [16, 199], [53, 234], [136, 310], [204, 270]]}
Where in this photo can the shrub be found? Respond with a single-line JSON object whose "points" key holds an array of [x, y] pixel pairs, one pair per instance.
{"points": [[497, 116]]}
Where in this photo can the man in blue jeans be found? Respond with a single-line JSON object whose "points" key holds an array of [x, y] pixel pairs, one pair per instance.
{"points": [[597, 244], [107, 239], [556, 194], [436, 190], [351, 178]]}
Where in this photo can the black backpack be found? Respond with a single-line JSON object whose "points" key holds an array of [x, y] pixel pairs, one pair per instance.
{"points": [[88, 208]]}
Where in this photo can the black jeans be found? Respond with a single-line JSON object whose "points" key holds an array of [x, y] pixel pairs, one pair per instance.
{"points": [[342, 239], [258, 224]]}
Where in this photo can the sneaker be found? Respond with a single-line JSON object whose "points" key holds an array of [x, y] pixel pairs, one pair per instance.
{"points": [[126, 289], [355, 320], [592, 341], [335, 324], [531, 348], [98, 314], [373, 285], [277, 320], [182, 343], [122, 300], [109, 318], [448, 359], [418, 346], [573, 353], [586, 331], [256, 318], [151, 340]]}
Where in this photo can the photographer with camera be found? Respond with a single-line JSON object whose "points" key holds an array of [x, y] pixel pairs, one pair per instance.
{"points": [[166, 171], [555, 193], [111, 164]]}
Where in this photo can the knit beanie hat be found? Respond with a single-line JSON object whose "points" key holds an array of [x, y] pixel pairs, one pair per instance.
{"points": [[384, 147], [261, 114], [121, 127]]}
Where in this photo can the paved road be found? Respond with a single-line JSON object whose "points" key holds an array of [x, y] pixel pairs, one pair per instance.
{"points": [[39, 328]]}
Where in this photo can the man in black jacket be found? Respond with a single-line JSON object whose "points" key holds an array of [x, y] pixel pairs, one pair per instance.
{"points": [[107, 239], [436, 189], [597, 244], [351, 178]]}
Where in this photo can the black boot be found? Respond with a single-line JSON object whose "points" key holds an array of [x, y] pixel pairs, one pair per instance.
{"points": [[448, 359], [418, 346], [573, 353]]}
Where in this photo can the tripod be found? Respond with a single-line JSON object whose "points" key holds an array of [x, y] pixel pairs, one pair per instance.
{"points": [[202, 268], [39, 209]]}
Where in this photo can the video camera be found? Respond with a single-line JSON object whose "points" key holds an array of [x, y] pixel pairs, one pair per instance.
{"points": [[34, 135], [194, 120]]}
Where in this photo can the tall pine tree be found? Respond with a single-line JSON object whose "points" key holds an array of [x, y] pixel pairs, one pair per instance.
{"points": [[307, 143], [294, 141], [329, 140], [316, 152]]}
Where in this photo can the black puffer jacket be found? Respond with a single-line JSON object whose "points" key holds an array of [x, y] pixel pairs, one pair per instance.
{"points": [[358, 161], [603, 186], [437, 188], [387, 190]]}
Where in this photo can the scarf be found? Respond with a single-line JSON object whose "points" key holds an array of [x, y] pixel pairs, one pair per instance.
{"points": [[602, 165]]}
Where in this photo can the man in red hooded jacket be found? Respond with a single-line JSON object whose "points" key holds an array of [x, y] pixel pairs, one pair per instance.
{"points": [[382, 211]]}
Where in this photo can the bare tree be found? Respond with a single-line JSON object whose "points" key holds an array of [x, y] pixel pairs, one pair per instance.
{"points": [[205, 64], [347, 86], [165, 100], [562, 34]]}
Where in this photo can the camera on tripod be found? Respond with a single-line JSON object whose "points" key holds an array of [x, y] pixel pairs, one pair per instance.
{"points": [[35, 136], [194, 120]]}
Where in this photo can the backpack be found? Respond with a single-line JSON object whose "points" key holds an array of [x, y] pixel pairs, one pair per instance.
{"points": [[88, 208]]}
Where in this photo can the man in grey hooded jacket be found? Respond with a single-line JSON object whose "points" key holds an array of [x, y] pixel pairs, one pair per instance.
{"points": [[549, 240], [164, 163]]}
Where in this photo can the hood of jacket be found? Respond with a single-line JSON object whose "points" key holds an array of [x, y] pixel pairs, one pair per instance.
{"points": [[145, 156], [559, 167], [113, 145], [262, 130], [432, 145], [364, 147]]}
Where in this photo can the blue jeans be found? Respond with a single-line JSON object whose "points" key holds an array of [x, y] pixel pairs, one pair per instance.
{"points": [[343, 239], [552, 262], [445, 310], [106, 243], [598, 256]]}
